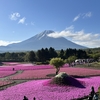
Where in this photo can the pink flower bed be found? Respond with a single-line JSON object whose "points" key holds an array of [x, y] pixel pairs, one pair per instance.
{"points": [[40, 88], [42, 73], [80, 71], [6, 73], [37, 89], [25, 67], [29, 64], [31, 74], [10, 63]]}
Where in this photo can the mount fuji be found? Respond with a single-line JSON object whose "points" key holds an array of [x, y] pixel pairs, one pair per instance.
{"points": [[42, 40]]}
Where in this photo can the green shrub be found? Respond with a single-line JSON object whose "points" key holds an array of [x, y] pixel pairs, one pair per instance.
{"points": [[38, 63]]}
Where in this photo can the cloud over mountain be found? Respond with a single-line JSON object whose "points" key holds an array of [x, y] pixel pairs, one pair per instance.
{"points": [[79, 37], [42, 40], [5, 43]]}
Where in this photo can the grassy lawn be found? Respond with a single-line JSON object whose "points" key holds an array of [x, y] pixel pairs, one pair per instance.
{"points": [[94, 65]]}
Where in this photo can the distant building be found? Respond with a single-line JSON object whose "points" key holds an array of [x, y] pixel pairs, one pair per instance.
{"points": [[82, 61]]}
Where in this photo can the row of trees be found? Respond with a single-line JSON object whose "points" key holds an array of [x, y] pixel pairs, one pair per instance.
{"points": [[43, 55], [58, 62], [56, 58]]}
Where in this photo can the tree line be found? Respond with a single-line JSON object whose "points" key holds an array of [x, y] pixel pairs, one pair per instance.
{"points": [[45, 54]]}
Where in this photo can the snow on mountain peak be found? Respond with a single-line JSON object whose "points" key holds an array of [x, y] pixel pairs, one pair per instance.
{"points": [[44, 33]]}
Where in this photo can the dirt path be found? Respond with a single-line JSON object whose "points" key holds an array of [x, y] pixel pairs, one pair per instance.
{"points": [[7, 77], [15, 82]]}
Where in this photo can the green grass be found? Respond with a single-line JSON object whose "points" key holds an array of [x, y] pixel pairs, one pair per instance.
{"points": [[90, 65]]}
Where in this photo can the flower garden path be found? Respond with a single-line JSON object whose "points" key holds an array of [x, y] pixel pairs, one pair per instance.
{"points": [[15, 82]]}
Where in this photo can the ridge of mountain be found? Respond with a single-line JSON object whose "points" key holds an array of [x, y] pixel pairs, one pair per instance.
{"points": [[42, 40]]}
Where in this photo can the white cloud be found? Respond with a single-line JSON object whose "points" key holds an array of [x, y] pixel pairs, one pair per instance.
{"points": [[79, 37], [14, 16], [70, 27], [5, 43], [82, 15], [22, 20], [76, 18], [89, 14]]}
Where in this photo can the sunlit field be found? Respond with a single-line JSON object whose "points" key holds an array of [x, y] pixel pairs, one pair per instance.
{"points": [[36, 80]]}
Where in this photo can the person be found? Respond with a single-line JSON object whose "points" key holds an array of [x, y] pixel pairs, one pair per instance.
{"points": [[13, 69], [91, 95], [34, 98], [92, 91], [95, 97], [25, 98]]}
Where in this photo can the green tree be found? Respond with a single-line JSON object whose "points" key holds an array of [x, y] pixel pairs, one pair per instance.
{"points": [[57, 63], [61, 54], [47, 56], [14, 56], [7, 56], [81, 54], [71, 59], [43, 53], [26, 57], [39, 55], [68, 53], [96, 56], [52, 52], [31, 56]]}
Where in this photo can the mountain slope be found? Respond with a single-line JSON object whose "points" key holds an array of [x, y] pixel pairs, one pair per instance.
{"points": [[42, 40]]}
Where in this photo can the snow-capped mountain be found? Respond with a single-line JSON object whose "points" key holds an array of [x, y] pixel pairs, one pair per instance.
{"points": [[42, 40]]}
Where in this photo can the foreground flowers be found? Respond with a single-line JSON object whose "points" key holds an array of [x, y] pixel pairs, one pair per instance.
{"points": [[41, 91]]}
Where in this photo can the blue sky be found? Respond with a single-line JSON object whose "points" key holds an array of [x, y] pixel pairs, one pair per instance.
{"points": [[76, 20]]}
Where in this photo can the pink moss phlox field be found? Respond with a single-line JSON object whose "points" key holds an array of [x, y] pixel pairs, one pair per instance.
{"points": [[42, 73], [6, 73], [29, 64], [25, 67], [37, 89], [80, 71], [10, 63], [18, 66], [31, 74], [41, 89]]}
